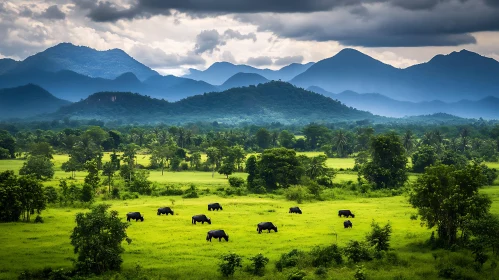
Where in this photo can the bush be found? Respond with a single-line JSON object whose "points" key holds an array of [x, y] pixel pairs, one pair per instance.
{"points": [[297, 193], [379, 237], [258, 264], [230, 262], [171, 190], [115, 193], [38, 219], [324, 256], [297, 275], [184, 166], [325, 181], [51, 194], [321, 271], [191, 192], [236, 182], [357, 251], [359, 273], [289, 259]]}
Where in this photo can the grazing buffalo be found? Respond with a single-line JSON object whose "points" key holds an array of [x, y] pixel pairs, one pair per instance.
{"points": [[165, 210], [134, 216], [346, 213], [347, 224], [201, 218], [217, 234], [265, 226], [296, 210], [215, 206]]}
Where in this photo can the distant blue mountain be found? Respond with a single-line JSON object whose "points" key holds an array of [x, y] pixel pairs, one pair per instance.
{"points": [[219, 72], [243, 80], [86, 61], [450, 78], [7, 64], [487, 108], [27, 101]]}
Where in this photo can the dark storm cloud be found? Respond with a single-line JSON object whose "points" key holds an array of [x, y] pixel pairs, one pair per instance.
{"points": [[370, 23], [53, 12]]}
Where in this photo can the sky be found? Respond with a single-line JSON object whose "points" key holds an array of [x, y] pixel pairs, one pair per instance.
{"points": [[172, 36]]}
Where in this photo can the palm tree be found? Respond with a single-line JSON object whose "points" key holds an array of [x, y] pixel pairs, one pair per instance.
{"points": [[408, 141], [465, 133], [340, 141]]}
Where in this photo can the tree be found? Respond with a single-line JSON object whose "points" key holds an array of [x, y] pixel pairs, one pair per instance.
{"points": [[41, 149], [108, 170], [214, 157], [340, 141], [92, 179], [227, 169], [258, 263], [316, 167], [72, 166], [252, 170], [286, 139], [10, 205], [8, 142], [263, 138], [97, 240], [424, 156], [39, 166], [196, 160], [279, 167], [387, 168], [408, 141], [32, 196], [315, 133], [379, 237], [446, 197]]}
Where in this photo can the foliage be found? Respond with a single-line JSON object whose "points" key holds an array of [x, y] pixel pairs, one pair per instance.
{"points": [[290, 259], [140, 182], [227, 169], [41, 149], [258, 263], [279, 168], [359, 273], [424, 156], [39, 166], [324, 256], [230, 262], [92, 179], [38, 219], [297, 193], [7, 142], [387, 168], [446, 197], [357, 251], [379, 237], [97, 240], [51, 194], [297, 275], [236, 182]]}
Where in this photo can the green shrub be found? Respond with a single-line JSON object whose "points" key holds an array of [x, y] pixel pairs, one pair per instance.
{"points": [[171, 190], [258, 264], [379, 237], [236, 182], [290, 259], [38, 219], [51, 194], [324, 256], [297, 275], [357, 251], [297, 193], [359, 273], [229, 264], [321, 271], [191, 192]]}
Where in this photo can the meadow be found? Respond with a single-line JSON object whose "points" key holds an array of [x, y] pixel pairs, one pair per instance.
{"points": [[170, 247]]}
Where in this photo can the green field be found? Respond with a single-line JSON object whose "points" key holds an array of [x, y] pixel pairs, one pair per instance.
{"points": [[170, 247]]}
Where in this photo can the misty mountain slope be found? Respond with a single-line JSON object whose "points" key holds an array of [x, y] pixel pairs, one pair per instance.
{"points": [[28, 101], [219, 72], [348, 70], [174, 88], [269, 102], [7, 64], [86, 61], [487, 108], [243, 80], [450, 78]]}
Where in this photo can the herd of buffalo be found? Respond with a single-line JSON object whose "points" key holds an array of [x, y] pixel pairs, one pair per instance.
{"points": [[220, 233]]}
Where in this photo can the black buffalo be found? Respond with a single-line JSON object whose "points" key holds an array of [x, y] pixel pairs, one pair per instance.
{"points": [[266, 226], [346, 213], [296, 210], [134, 216], [347, 224], [215, 206], [201, 218], [165, 210], [217, 234]]}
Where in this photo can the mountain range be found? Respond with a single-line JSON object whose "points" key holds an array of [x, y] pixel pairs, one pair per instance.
{"points": [[487, 108], [270, 102], [219, 72], [448, 78], [461, 83], [28, 101]]}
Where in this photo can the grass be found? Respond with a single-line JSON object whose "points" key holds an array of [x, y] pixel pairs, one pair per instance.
{"points": [[169, 247]]}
